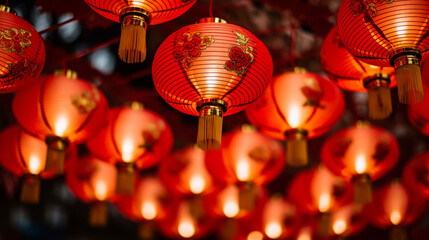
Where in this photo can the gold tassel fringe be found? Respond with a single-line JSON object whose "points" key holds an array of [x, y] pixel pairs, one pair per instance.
{"points": [[410, 89], [125, 179], [30, 191], [132, 44], [398, 233], [324, 224], [362, 189], [296, 148], [247, 197], [379, 102], [98, 215], [56, 155], [145, 231], [210, 128]]}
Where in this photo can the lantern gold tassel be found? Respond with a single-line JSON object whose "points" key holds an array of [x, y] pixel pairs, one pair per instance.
{"points": [[296, 148], [98, 214], [408, 75], [379, 102], [247, 197], [56, 154], [30, 190], [145, 231], [132, 44], [362, 189], [398, 233], [125, 179], [324, 224], [210, 127]]}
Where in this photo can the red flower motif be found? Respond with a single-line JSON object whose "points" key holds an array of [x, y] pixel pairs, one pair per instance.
{"points": [[313, 93], [189, 47], [241, 56], [14, 40]]}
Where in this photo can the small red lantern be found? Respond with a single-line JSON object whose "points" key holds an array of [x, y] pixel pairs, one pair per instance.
{"points": [[134, 138], [25, 155], [22, 51], [211, 69], [92, 180], [360, 154], [61, 110], [297, 106], [351, 74], [135, 16], [416, 176], [385, 33]]}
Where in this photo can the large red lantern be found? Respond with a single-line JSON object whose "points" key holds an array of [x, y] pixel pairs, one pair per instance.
{"points": [[297, 106], [62, 110], [22, 51], [211, 69], [385, 33], [135, 16], [360, 154], [416, 176], [25, 155], [134, 138], [351, 74]]}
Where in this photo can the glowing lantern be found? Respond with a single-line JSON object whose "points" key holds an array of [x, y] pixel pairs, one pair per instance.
{"points": [[347, 220], [61, 110], [134, 138], [416, 176], [135, 16], [211, 69], [360, 154], [297, 106], [351, 74], [92, 181], [22, 51], [25, 155], [418, 113], [388, 33], [247, 158], [305, 233]]}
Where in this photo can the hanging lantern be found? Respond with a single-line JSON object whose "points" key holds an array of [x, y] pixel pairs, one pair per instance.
{"points": [[25, 155], [416, 176], [211, 69], [360, 154], [388, 33], [351, 74], [135, 16], [61, 110], [248, 159], [394, 207], [134, 138], [347, 220], [297, 106], [22, 51], [92, 180]]}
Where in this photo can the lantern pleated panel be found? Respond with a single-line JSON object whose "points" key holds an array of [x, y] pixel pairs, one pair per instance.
{"points": [[211, 69], [351, 74], [61, 110], [418, 115], [415, 176], [360, 154], [295, 107], [22, 52], [347, 220], [388, 33], [135, 16], [134, 138]]}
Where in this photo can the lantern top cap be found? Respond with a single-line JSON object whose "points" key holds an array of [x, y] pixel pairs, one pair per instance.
{"points": [[212, 20], [67, 72], [362, 124], [5, 8], [135, 105], [248, 128], [299, 70]]}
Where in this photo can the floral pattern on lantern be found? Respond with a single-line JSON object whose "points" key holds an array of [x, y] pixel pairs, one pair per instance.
{"points": [[241, 55], [189, 48]]}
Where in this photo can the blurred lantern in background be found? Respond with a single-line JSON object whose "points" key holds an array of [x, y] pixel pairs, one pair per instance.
{"points": [[297, 106], [62, 110], [416, 176], [92, 180], [347, 220], [305, 233], [418, 114], [135, 16], [394, 207], [211, 69], [360, 154], [247, 158], [134, 138], [22, 51], [351, 74], [385, 33], [25, 155]]}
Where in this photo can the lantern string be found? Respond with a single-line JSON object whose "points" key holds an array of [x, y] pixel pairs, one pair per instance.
{"points": [[6, 3], [56, 26], [211, 8]]}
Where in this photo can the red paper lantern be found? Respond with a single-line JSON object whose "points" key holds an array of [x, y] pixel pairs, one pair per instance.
{"points": [[211, 69], [297, 106], [22, 51], [416, 176], [360, 154], [134, 138], [135, 16], [388, 33], [62, 110], [351, 74]]}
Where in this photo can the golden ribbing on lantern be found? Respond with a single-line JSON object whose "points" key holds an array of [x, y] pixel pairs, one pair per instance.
{"points": [[296, 147], [210, 124], [132, 45], [379, 102]]}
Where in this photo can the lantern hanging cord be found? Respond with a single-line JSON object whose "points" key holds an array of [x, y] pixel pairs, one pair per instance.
{"points": [[211, 8], [292, 46], [6, 3], [56, 26]]}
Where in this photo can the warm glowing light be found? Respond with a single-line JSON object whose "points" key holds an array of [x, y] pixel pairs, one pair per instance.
{"points": [[305, 235], [324, 202], [60, 126], [148, 210], [127, 150], [360, 164], [294, 116], [34, 166], [273, 230], [186, 229], [401, 30], [243, 170], [255, 235], [230, 208], [100, 190], [339, 226], [395, 217], [197, 184]]}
